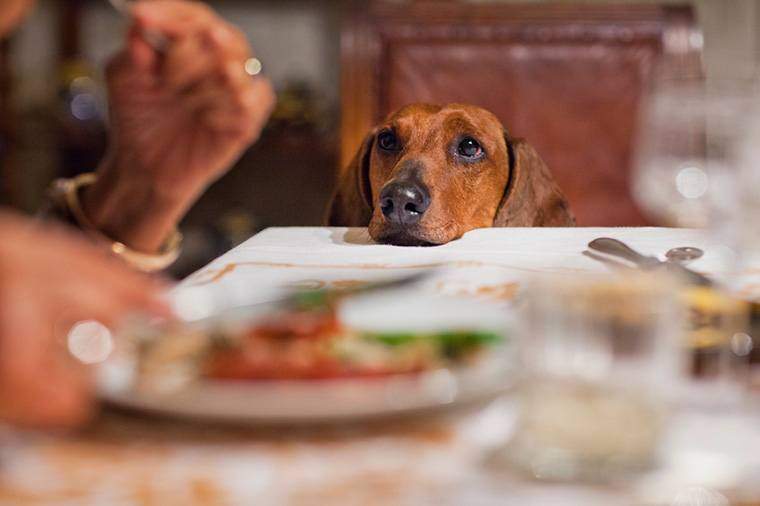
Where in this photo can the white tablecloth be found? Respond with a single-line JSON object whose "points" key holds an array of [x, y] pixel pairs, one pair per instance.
{"points": [[488, 263]]}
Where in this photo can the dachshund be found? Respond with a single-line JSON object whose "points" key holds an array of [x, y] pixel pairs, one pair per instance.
{"points": [[430, 173]]}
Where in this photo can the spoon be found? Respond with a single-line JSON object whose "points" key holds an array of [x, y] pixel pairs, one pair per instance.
{"points": [[683, 254], [619, 249]]}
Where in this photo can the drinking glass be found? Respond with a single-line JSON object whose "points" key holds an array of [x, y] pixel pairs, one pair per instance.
{"points": [[720, 344], [600, 353], [687, 150]]}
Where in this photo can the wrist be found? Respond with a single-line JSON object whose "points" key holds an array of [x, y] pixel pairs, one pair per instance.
{"points": [[133, 208]]}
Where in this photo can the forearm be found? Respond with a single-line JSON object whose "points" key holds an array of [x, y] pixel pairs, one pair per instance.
{"points": [[134, 210]]}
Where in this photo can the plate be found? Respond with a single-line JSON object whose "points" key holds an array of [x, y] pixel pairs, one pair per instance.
{"points": [[314, 401], [344, 399]]}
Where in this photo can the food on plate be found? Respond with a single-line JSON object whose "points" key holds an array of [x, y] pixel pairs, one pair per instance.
{"points": [[306, 339], [314, 344]]}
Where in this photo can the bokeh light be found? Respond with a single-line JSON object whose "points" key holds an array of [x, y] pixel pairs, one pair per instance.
{"points": [[90, 342]]}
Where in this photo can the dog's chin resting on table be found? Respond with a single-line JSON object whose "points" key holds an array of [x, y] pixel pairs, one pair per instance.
{"points": [[430, 173]]}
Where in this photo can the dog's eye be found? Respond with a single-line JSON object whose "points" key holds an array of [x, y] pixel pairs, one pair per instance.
{"points": [[387, 141], [469, 148]]}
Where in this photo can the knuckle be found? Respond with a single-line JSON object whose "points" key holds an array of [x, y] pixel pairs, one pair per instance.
{"points": [[246, 99], [240, 39], [265, 94], [229, 74], [199, 8]]}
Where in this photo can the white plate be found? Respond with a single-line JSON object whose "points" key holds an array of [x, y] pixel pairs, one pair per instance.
{"points": [[302, 401], [311, 401]]}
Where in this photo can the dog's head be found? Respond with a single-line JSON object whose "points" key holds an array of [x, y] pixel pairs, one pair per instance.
{"points": [[430, 173]]}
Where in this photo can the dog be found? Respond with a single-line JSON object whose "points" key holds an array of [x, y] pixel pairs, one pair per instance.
{"points": [[430, 173]]}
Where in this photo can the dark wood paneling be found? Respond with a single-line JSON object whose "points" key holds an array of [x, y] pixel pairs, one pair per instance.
{"points": [[7, 131]]}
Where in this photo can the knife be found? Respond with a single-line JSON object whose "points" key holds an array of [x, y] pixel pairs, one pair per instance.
{"points": [[619, 249]]}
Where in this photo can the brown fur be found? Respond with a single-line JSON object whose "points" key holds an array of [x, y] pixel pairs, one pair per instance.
{"points": [[510, 187]]}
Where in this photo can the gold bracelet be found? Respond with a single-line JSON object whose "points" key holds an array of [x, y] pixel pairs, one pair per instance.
{"points": [[66, 191]]}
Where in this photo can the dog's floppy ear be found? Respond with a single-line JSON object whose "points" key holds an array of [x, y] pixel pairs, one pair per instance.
{"points": [[351, 204], [532, 197]]}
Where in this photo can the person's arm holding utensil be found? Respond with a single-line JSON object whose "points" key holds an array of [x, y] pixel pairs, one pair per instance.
{"points": [[180, 118], [181, 115]]}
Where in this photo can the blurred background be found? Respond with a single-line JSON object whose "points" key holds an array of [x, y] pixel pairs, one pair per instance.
{"points": [[568, 77]]}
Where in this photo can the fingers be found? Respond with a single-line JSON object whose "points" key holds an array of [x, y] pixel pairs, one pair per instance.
{"points": [[173, 18], [204, 65], [188, 61], [50, 278], [136, 62], [108, 291], [229, 43], [105, 302], [233, 102], [141, 54], [195, 59], [202, 43], [204, 55], [40, 385], [83, 277], [177, 20], [52, 400], [245, 109]]}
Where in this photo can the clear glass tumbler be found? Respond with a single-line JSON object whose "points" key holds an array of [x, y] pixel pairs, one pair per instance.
{"points": [[601, 354]]}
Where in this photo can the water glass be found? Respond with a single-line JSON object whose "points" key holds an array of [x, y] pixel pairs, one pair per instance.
{"points": [[601, 353]]}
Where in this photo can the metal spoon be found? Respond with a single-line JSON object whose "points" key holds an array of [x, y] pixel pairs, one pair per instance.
{"points": [[619, 249], [683, 254]]}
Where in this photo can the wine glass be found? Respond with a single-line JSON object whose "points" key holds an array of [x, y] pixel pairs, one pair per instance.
{"points": [[690, 128]]}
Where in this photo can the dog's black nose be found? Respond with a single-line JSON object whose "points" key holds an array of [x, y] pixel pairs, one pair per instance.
{"points": [[404, 202]]}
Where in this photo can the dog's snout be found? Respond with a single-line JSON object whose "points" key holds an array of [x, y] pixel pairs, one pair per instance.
{"points": [[404, 202]]}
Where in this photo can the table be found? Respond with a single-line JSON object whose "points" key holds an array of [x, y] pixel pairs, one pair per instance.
{"points": [[124, 459], [487, 263]]}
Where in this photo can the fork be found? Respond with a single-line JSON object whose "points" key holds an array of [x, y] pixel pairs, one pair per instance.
{"points": [[156, 39]]}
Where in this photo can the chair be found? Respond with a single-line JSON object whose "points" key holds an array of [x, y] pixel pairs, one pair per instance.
{"points": [[568, 78]]}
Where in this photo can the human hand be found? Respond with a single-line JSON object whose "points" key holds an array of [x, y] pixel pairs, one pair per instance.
{"points": [[180, 118], [49, 280]]}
